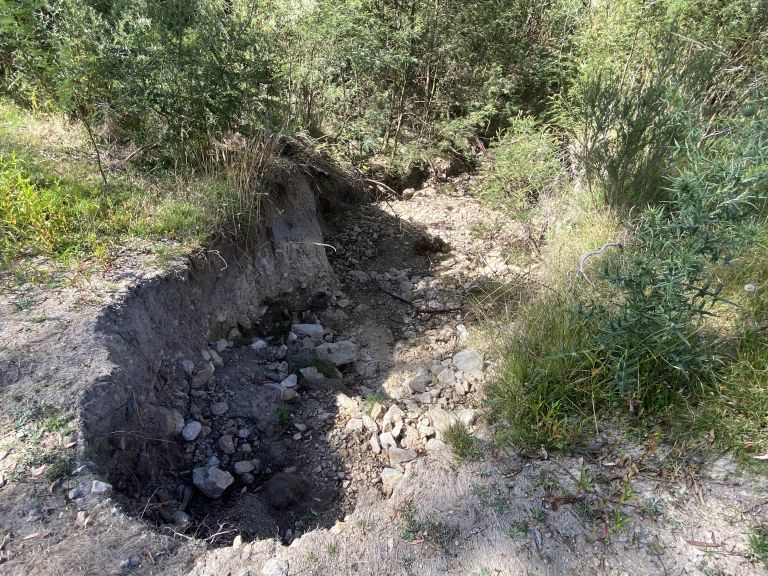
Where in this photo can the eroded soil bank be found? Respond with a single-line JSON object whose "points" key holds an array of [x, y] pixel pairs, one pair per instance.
{"points": [[322, 397]]}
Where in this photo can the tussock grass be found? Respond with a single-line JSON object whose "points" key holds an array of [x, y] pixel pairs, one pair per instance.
{"points": [[757, 544], [462, 443]]}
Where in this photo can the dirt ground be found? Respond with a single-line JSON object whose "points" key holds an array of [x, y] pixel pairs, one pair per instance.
{"points": [[379, 491]]}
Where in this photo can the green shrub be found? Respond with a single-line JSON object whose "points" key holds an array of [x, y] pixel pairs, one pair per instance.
{"points": [[652, 337], [645, 74], [523, 165]]}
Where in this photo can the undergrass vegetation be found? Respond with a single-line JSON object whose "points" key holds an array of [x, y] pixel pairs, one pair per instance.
{"points": [[463, 445], [57, 216], [667, 325], [757, 544]]}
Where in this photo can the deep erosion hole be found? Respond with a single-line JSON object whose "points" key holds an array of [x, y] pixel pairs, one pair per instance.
{"points": [[203, 426]]}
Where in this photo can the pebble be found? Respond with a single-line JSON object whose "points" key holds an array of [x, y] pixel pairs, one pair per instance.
{"points": [[435, 445], [290, 382], [227, 444], [466, 416], [345, 402], [191, 430], [181, 518], [419, 382], [244, 467], [370, 424], [340, 353], [468, 360], [441, 419], [315, 331], [259, 345], [446, 378], [275, 567], [203, 376], [391, 477], [354, 425], [387, 440], [219, 408], [212, 481], [188, 366], [400, 456], [99, 487], [377, 411], [394, 415], [289, 395]]}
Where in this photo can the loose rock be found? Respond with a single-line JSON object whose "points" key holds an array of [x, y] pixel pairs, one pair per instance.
{"points": [[340, 353], [275, 567], [191, 430], [211, 481], [219, 408], [468, 360], [315, 331], [400, 456]]}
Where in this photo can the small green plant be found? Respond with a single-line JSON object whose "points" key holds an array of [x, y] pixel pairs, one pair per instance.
{"points": [[524, 165], [482, 492], [498, 502], [517, 529], [652, 508], [24, 303], [757, 544], [414, 529], [462, 443], [620, 520], [586, 480], [482, 230], [283, 415], [60, 468], [53, 424], [332, 549], [538, 514], [363, 525], [546, 481], [372, 399]]}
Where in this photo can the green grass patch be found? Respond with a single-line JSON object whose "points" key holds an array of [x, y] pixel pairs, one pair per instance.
{"points": [[548, 386], [54, 205], [462, 443], [55, 218], [416, 529], [757, 544]]}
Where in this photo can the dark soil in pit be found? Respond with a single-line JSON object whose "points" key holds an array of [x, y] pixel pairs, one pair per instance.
{"points": [[271, 439], [296, 457]]}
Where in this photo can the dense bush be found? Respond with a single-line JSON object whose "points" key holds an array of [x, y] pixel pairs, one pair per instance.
{"points": [[171, 77], [523, 164], [665, 282]]}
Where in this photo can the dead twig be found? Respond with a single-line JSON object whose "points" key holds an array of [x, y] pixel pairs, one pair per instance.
{"points": [[588, 255], [418, 309]]}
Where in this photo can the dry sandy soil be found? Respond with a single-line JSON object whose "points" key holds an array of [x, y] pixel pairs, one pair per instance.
{"points": [[347, 470]]}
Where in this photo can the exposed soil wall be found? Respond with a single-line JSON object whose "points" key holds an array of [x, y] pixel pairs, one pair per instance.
{"points": [[132, 418]]}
